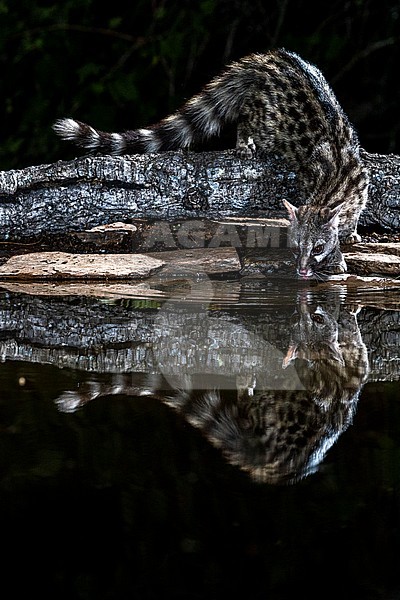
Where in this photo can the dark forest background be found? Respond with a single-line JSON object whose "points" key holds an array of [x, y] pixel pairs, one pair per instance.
{"points": [[120, 65]]}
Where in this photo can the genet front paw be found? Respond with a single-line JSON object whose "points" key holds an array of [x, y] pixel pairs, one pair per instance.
{"points": [[336, 268], [352, 238], [340, 268]]}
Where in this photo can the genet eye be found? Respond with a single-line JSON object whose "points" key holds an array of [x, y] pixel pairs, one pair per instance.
{"points": [[318, 249]]}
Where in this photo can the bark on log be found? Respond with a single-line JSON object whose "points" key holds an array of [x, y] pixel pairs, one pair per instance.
{"points": [[90, 191]]}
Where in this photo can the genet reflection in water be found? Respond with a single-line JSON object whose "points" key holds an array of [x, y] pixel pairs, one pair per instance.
{"points": [[276, 425]]}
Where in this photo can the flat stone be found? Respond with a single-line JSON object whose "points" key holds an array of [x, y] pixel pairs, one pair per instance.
{"points": [[118, 226], [211, 261], [376, 247], [62, 265], [372, 263]]}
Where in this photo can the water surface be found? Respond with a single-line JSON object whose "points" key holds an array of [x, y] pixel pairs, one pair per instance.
{"points": [[199, 438]]}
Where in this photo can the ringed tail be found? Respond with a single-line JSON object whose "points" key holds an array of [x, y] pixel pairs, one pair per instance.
{"points": [[201, 117]]}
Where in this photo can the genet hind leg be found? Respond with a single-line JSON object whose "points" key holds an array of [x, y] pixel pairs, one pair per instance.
{"points": [[245, 146]]}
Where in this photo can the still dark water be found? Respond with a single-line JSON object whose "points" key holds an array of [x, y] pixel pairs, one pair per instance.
{"points": [[200, 440]]}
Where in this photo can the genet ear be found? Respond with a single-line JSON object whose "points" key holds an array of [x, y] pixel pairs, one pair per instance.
{"points": [[291, 355], [335, 214], [292, 210]]}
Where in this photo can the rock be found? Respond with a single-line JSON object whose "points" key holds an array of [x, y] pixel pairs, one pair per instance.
{"points": [[197, 261], [374, 263], [61, 265]]}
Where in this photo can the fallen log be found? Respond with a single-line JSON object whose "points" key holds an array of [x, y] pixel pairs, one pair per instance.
{"points": [[90, 191]]}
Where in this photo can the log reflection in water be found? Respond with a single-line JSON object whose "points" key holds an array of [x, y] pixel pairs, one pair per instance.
{"points": [[237, 327]]}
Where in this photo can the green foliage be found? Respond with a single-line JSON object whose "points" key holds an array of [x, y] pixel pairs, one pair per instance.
{"points": [[122, 65]]}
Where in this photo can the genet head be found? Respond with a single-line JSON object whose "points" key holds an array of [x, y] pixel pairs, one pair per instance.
{"points": [[313, 235]]}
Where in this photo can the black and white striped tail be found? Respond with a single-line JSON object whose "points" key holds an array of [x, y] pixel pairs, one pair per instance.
{"points": [[201, 117], [88, 137], [170, 133]]}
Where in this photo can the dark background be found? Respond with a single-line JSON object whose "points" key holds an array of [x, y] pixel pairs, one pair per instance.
{"points": [[121, 65]]}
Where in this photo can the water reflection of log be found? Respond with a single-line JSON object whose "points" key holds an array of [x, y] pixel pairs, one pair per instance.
{"points": [[173, 337]]}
